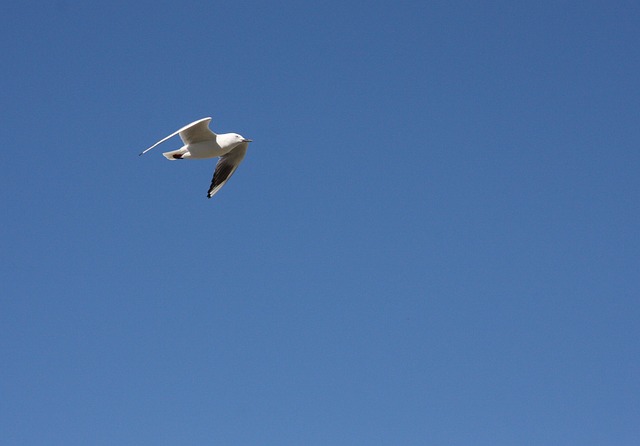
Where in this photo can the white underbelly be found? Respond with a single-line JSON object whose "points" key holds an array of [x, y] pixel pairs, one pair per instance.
{"points": [[205, 149]]}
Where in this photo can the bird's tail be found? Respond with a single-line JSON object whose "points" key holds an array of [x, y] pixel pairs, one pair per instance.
{"points": [[174, 154]]}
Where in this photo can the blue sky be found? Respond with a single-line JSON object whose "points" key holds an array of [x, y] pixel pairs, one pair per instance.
{"points": [[433, 238]]}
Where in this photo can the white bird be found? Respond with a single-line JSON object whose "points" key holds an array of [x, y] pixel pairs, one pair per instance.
{"points": [[202, 143]]}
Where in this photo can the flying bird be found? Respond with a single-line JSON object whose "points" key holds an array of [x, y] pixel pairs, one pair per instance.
{"points": [[202, 143]]}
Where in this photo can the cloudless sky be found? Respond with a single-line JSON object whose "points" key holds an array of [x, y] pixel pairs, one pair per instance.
{"points": [[433, 238]]}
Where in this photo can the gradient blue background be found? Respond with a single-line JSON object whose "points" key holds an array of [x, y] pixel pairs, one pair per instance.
{"points": [[432, 240]]}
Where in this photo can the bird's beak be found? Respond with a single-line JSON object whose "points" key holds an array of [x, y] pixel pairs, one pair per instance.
{"points": [[247, 140]]}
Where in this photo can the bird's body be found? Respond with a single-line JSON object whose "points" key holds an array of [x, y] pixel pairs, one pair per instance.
{"points": [[218, 145], [202, 143]]}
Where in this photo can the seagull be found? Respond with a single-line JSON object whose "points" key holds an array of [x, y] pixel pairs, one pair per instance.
{"points": [[202, 143]]}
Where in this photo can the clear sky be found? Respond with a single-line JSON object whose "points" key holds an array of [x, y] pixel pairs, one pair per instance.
{"points": [[433, 239]]}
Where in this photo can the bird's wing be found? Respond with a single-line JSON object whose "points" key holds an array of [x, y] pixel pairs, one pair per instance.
{"points": [[197, 131], [227, 164]]}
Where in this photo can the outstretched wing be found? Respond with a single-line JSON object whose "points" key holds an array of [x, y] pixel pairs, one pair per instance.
{"points": [[192, 133], [227, 164]]}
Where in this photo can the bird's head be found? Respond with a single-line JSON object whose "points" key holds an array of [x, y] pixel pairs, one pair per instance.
{"points": [[241, 138], [231, 140]]}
